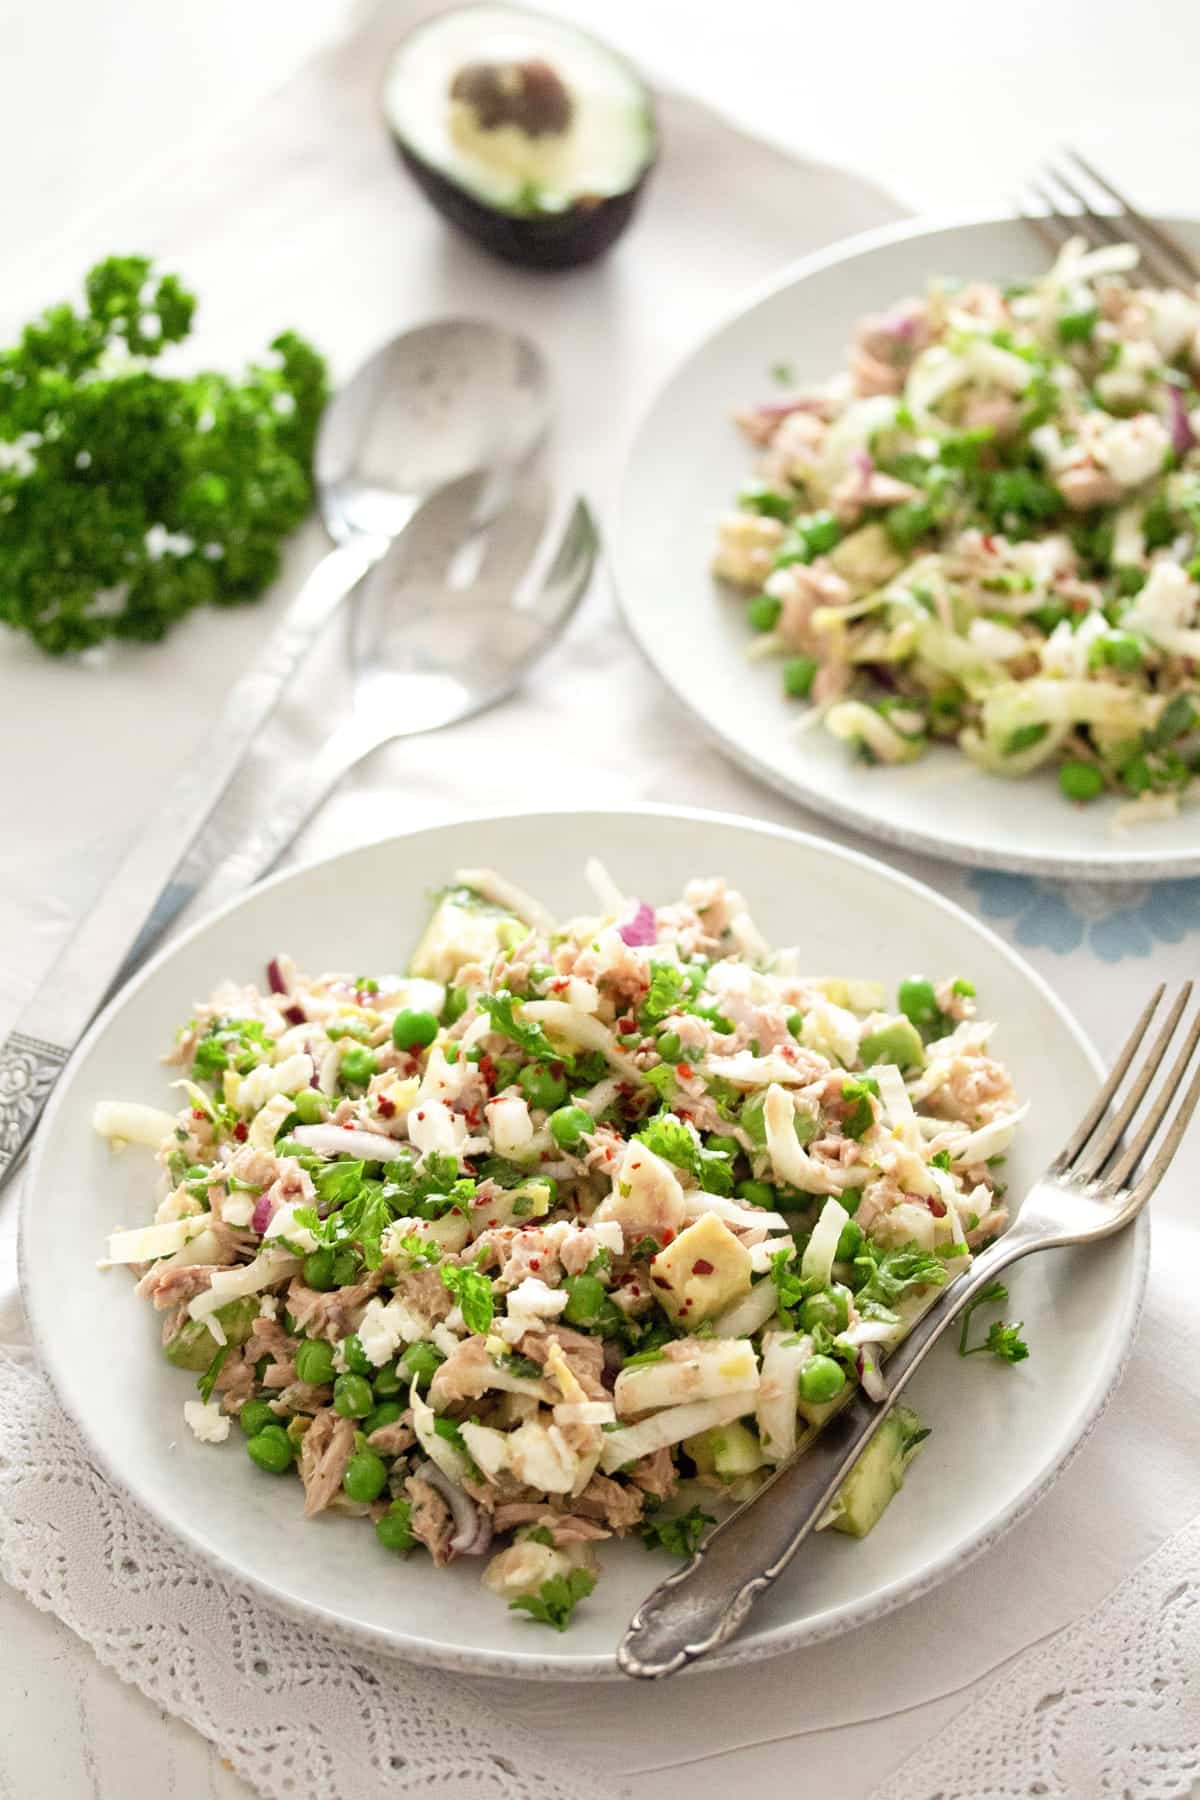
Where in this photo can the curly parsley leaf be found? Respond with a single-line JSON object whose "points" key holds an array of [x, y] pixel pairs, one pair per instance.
{"points": [[671, 1139], [136, 496], [887, 1274], [473, 1291], [556, 1599], [680, 1534], [789, 1285], [500, 1008], [1003, 1340]]}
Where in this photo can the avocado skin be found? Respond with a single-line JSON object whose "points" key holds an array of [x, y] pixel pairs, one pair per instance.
{"points": [[580, 234]]}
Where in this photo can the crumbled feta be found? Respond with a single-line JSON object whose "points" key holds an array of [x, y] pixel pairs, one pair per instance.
{"points": [[432, 1126], [209, 1424], [1134, 449], [381, 1331]]}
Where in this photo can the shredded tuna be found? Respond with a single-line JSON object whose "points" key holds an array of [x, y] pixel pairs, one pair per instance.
{"points": [[431, 1519], [325, 1449]]}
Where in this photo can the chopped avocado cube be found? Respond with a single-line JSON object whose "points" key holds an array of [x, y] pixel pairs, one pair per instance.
{"points": [[464, 928], [705, 1270], [898, 1042], [726, 1451], [194, 1346], [878, 1475]]}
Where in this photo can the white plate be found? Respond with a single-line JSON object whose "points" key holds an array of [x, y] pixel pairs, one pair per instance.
{"points": [[687, 463], [1000, 1434]]}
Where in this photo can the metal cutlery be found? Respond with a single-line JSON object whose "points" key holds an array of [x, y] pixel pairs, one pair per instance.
{"points": [[444, 627], [1076, 200], [1098, 1184], [433, 405]]}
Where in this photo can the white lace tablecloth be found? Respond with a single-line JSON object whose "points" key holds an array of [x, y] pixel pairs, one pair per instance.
{"points": [[1007, 1676]]}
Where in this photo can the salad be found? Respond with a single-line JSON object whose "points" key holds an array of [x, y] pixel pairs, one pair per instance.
{"points": [[567, 1233], [986, 532]]}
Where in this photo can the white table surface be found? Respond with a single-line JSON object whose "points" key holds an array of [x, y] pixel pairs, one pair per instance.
{"points": [[98, 94]]}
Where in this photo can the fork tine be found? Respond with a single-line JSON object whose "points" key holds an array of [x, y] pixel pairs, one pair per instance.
{"points": [[1120, 1174], [1103, 1100], [1115, 230], [1169, 1145], [1050, 227], [1167, 243], [1090, 1165]]}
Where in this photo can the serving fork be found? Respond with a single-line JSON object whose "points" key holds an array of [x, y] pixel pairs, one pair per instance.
{"points": [[1100, 1181], [1077, 199]]}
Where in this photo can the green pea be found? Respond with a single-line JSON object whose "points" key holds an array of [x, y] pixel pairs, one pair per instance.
{"points": [[763, 612], [568, 1125], [670, 1046], [310, 1106], [352, 1397], [1080, 781], [541, 1086], [355, 1357], [415, 1030], [723, 1146], [357, 1066], [393, 1529], [271, 1449], [289, 1146], [420, 1362], [387, 1381], [918, 1001], [254, 1415], [757, 497], [1121, 650], [757, 1193], [507, 1070], [1137, 774], [387, 1414], [365, 1477], [830, 1308], [799, 673], [849, 1244], [319, 1270], [314, 1362], [795, 1023], [345, 1265], [821, 1379], [1130, 580]]}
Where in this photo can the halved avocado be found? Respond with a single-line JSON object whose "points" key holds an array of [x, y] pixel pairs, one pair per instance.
{"points": [[529, 135]]}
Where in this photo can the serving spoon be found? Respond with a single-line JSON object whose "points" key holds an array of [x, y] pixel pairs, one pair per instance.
{"points": [[444, 627], [443, 401]]}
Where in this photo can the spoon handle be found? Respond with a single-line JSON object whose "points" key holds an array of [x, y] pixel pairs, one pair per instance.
{"points": [[255, 853], [251, 702]]}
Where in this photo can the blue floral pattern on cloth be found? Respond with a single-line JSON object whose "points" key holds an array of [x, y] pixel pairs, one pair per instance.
{"points": [[1112, 919]]}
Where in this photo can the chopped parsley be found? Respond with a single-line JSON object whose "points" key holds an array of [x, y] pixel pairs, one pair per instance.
{"points": [[473, 1291], [680, 1533], [1004, 1341], [887, 1274], [556, 1599]]}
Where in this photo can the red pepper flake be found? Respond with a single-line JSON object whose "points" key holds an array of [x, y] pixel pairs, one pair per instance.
{"points": [[702, 1266], [487, 1069], [989, 543], [937, 1207], [627, 1024], [684, 1071], [535, 1262], [198, 1112], [557, 1070], [295, 1015], [387, 1108], [667, 1236], [660, 1281], [472, 1117], [241, 1131], [560, 984]]}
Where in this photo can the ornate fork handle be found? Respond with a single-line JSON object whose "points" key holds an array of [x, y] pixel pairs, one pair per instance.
{"points": [[706, 1602], [29, 1067]]}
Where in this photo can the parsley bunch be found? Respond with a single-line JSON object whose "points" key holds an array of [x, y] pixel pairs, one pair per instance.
{"points": [[128, 497]]}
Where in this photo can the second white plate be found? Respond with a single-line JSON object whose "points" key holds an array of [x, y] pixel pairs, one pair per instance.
{"points": [[688, 462]]}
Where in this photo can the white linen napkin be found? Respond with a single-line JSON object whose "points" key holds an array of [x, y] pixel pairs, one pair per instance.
{"points": [[300, 216]]}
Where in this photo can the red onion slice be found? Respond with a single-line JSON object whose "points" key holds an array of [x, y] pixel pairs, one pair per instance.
{"points": [[344, 1140], [1181, 426], [472, 1523], [641, 929], [264, 1212], [275, 980]]}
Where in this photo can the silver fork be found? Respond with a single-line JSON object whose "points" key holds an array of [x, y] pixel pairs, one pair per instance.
{"points": [[1097, 1185], [1077, 201]]}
